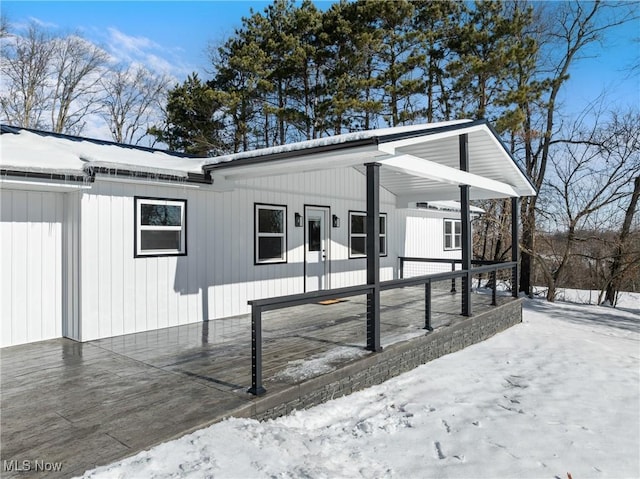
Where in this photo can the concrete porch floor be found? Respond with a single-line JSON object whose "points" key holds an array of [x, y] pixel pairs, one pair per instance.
{"points": [[89, 404]]}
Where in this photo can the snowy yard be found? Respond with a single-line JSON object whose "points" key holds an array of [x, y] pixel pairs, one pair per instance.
{"points": [[557, 394]]}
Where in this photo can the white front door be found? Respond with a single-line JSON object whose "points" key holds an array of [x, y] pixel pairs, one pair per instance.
{"points": [[316, 236]]}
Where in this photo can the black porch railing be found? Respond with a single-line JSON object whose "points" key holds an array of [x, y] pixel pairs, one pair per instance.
{"points": [[258, 306], [425, 261], [403, 260], [428, 264]]}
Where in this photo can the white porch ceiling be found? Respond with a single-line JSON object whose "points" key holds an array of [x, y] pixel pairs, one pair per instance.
{"points": [[419, 163]]}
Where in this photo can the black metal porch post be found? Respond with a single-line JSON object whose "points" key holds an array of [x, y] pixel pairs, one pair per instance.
{"points": [[256, 352], [515, 244], [465, 218], [373, 256]]}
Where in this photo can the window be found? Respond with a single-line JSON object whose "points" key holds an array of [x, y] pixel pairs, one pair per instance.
{"points": [[358, 234], [161, 227], [314, 230], [452, 234], [270, 234]]}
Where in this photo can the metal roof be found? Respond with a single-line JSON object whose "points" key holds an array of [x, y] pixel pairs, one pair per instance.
{"points": [[419, 163], [29, 153]]}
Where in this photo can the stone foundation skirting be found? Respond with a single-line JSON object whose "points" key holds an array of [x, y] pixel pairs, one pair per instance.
{"points": [[390, 362]]}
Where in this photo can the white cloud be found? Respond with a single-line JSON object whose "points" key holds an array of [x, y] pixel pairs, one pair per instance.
{"points": [[159, 64], [20, 27], [129, 45], [42, 23], [138, 49]]}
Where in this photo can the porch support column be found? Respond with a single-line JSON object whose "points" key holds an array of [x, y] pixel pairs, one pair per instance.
{"points": [[515, 244], [373, 256], [465, 218]]}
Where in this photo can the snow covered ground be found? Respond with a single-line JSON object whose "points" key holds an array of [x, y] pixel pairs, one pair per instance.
{"points": [[557, 394]]}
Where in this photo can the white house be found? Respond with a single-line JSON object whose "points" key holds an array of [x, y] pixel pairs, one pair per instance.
{"points": [[99, 239]]}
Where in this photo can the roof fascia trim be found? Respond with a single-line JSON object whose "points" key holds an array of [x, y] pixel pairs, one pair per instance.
{"points": [[179, 177], [89, 176], [45, 175], [504, 147], [285, 155], [430, 131], [374, 140]]}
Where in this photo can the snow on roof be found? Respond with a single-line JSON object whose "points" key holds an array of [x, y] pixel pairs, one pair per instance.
{"points": [[497, 175], [332, 140], [29, 151]]}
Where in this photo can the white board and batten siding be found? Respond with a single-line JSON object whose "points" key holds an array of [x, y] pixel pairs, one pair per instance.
{"points": [[69, 267], [31, 287], [424, 233], [122, 294]]}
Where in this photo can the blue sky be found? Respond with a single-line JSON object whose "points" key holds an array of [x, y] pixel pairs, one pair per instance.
{"points": [[172, 37], [167, 35]]}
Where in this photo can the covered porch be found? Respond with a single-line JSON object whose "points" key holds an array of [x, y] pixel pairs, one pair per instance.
{"points": [[461, 160]]}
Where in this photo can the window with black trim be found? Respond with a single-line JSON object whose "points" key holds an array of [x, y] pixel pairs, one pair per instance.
{"points": [[161, 227], [452, 234], [270, 234], [358, 234]]}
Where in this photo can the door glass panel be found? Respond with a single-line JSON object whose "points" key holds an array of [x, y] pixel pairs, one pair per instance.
{"points": [[313, 234]]}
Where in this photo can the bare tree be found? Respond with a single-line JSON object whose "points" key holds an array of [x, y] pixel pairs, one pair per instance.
{"points": [[4, 26], [592, 178], [493, 231], [626, 256], [26, 68], [44, 75], [575, 26], [132, 101], [76, 65]]}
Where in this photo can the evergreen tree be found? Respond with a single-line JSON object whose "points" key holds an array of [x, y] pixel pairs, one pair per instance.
{"points": [[306, 67], [240, 81], [491, 45], [435, 22], [351, 43], [397, 60], [193, 123]]}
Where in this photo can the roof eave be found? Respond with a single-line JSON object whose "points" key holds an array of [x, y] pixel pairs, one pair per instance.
{"points": [[287, 155], [255, 157]]}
